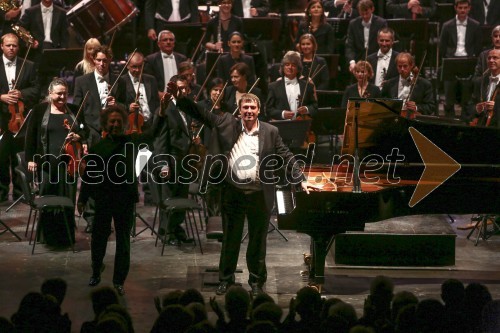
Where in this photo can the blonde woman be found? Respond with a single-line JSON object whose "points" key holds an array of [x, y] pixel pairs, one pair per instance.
{"points": [[87, 64]]}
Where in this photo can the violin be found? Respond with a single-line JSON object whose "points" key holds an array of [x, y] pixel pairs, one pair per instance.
{"points": [[405, 113], [135, 118], [16, 111], [484, 119], [74, 150]]}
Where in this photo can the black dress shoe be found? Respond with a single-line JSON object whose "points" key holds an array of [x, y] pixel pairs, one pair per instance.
{"points": [[94, 280], [187, 240], [256, 289], [173, 242], [119, 289], [223, 287]]}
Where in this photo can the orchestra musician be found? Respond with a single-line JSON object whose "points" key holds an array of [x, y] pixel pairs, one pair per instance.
{"points": [[362, 33], [460, 37], [486, 12], [26, 93], [286, 98], [187, 69], [345, 9], [482, 60], [220, 27], [312, 64], [315, 23], [86, 65], [250, 8], [164, 63], [236, 54], [244, 194], [51, 125], [158, 13], [13, 14], [486, 95], [411, 9], [98, 84], [174, 139], [383, 61], [422, 99], [239, 74], [363, 88]]}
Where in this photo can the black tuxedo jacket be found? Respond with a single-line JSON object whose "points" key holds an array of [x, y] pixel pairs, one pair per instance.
{"points": [[334, 11], [422, 94], [188, 10], [391, 72], [125, 93], [27, 84], [228, 131], [355, 42], [92, 107], [226, 62], [6, 25], [399, 8], [154, 66], [482, 64], [277, 100], [262, 7], [33, 22], [448, 39], [477, 12], [173, 137]]}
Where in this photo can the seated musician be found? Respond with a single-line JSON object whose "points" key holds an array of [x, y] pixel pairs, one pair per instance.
{"points": [[221, 27], [250, 8], [187, 69], [363, 88], [482, 60], [240, 73], [421, 99], [236, 55], [410, 9], [486, 91], [290, 96], [384, 60], [313, 66], [315, 23]]}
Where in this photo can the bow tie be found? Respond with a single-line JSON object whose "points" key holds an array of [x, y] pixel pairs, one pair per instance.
{"points": [[10, 63], [463, 23], [366, 24], [405, 82], [288, 81], [101, 79], [47, 10], [168, 56], [494, 79], [380, 55], [136, 79]]}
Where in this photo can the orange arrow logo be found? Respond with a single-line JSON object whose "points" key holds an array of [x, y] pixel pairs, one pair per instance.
{"points": [[439, 166]]}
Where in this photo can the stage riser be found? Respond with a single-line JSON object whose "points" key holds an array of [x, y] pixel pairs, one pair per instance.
{"points": [[362, 249]]}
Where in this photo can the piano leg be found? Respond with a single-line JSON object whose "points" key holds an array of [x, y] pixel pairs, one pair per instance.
{"points": [[321, 247]]}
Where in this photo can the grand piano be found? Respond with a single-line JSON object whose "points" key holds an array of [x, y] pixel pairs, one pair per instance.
{"points": [[385, 192]]}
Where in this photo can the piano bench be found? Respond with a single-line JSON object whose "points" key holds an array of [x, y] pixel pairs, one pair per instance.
{"points": [[214, 228]]}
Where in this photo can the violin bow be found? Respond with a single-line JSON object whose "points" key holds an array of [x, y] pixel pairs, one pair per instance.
{"points": [[414, 82], [212, 109], [365, 79], [121, 72], [206, 79], [248, 92], [76, 116], [198, 46], [307, 80], [22, 67]]}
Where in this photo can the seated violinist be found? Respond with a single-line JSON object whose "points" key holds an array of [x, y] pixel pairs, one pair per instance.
{"points": [[363, 88], [138, 91], [486, 94], [416, 92], [291, 96]]}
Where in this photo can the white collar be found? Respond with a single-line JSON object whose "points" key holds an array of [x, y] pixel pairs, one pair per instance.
{"points": [[5, 60]]}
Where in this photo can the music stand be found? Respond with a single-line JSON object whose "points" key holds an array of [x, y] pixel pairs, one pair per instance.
{"points": [[293, 132], [56, 60], [330, 121], [262, 28], [456, 68]]}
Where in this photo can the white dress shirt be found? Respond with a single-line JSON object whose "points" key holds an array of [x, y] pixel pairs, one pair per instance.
{"points": [[382, 66], [404, 87], [169, 66], [246, 8], [292, 88], [461, 31], [143, 102], [47, 13], [102, 86], [492, 86], [366, 30], [10, 70]]}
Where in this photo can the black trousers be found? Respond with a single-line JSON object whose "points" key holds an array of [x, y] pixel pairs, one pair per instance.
{"points": [[236, 205], [123, 214]]}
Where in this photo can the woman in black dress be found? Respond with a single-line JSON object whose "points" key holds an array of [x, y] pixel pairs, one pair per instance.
{"points": [[363, 72], [315, 23], [221, 27], [319, 71], [47, 133]]}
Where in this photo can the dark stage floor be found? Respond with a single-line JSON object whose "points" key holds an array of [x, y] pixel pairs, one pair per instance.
{"points": [[183, 267]]}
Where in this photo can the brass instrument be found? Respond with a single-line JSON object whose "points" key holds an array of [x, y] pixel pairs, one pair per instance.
{"points": [[24, 34], [7, 5]]}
